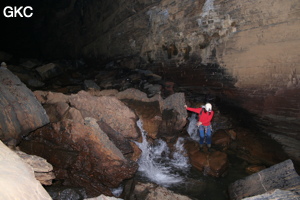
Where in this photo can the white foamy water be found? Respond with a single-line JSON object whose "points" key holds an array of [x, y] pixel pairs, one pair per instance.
{"points": [[157, 164], [179, 160], [208, 6], [192, 129]]}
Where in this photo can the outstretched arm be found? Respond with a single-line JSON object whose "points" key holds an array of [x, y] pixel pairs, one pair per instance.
{"points": [[196, 110]]}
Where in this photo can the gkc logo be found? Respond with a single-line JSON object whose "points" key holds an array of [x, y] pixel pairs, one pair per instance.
{"points": [[20, 11]]}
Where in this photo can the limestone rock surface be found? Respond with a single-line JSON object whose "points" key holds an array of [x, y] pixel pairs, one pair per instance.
{"points": [[152, 192], [43, 170], [82, 155], [17, 179], [20, 112], [280, 176]]}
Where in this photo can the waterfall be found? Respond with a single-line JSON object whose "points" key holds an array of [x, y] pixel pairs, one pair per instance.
{"points": [[208, 9], [158, 164], [192, 129], [208, 6]]}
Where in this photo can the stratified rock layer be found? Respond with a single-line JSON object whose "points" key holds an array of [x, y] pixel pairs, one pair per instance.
{"points": [[281, 176], [20, 112], [82, 155], [17, 179]]}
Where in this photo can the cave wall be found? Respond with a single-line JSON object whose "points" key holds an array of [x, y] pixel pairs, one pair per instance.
{"points": [[255, 43], [263, 57]]}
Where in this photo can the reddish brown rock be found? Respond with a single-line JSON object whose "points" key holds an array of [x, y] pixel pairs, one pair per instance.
{"points": [[81, 105], [221, 139], [81, 156], [136, 152], [258, 150], [218, 164], [232, 134], [210, 163], [50, 97], [118, 139], [254, 168], [149, 113], [109, 109]]}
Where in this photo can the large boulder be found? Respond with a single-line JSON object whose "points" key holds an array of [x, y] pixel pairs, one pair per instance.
{"points": [[165, 117], [78, 106], [20, 112], [49, 70], [17, 179], [151, 191], [43, 170], [210, 163], [173, 115], [147, 109], [276, 194], [280, 176], [108, 109], [82, 155]]}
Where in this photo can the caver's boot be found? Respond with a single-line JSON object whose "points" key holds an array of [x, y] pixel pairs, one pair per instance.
{"points": [[209, 148], [201, 147]]}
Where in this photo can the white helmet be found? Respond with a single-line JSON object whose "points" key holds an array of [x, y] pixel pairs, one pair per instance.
{"points": [[208, 107]]}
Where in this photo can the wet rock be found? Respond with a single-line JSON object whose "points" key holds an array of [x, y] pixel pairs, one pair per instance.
{"points": [[210, 163], [43, 170], [17, 180], [153, 192], [118, 139], [232, 134], [137, 152], [64, 193], [258, 149], [280, 176], [20, 112], [221, 139], [103, 197], [82, 155], [217, 164], [147, 109], [166, 117]]}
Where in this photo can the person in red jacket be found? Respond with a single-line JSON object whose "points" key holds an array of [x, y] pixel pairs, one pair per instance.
{"points": [[205, 115]]}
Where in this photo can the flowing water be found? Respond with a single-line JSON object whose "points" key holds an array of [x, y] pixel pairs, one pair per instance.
{"points": [[158, 165], [173, 170]]}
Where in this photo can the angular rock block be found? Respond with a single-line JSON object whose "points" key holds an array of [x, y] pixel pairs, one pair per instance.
{"points": [[173, 115], [17, 179], [81, 155], [281, 176], [20, 112]]}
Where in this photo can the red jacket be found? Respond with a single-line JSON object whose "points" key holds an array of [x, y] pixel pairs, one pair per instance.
{"points": [[205, 117]]}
